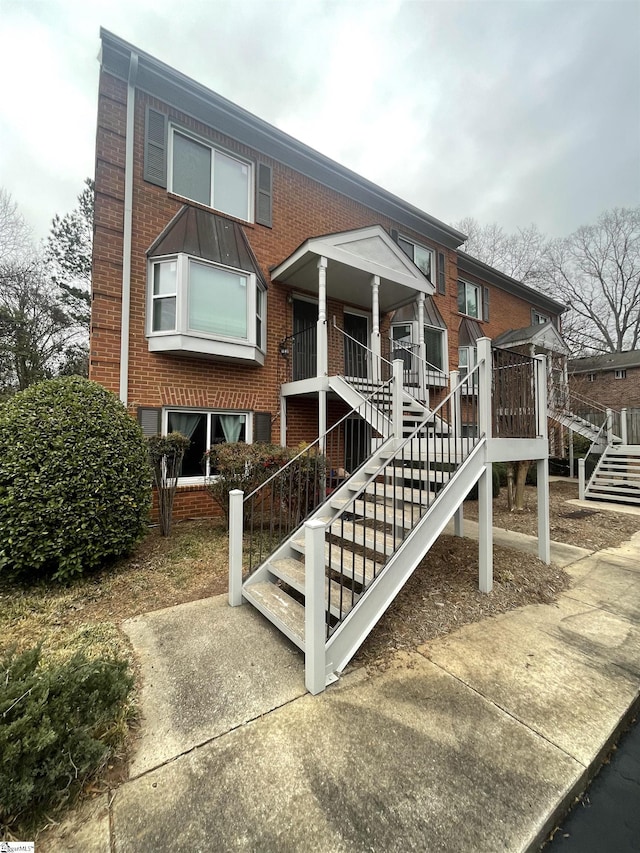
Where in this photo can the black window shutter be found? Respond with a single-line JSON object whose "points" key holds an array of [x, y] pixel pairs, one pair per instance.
{"points": [[442, 286], [155, 147], [533, 316], [485, 303], [262, 427], [394, 235], [149, 420], [264, 195]]}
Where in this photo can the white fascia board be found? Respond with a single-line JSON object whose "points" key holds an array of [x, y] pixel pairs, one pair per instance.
{"points": [[516, 449]]}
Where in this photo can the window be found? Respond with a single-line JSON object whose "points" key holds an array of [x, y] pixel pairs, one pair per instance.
{"points": [[434, 345], [620, 374], [591, 377], [538, 319], [421, 257], [205, 174], [469, 300], [195, 297], [467, 360], [204, 430]]}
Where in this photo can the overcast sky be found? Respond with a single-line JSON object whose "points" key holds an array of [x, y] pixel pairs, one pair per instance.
{"points": [[512, 112]]}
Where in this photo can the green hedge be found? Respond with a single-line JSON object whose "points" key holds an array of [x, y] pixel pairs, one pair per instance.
{"points": [[74, 479]]}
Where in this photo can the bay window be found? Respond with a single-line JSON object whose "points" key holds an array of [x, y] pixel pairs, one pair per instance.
{"points": [[434, 345], [203, 307], [420, 255], [204, 173], [467, 360]]}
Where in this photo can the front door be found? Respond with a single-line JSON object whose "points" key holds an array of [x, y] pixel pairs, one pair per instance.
{"points": [[305, 332], [356, 357]]}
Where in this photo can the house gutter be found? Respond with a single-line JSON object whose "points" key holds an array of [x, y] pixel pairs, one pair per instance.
{"points": [[126, 242]]}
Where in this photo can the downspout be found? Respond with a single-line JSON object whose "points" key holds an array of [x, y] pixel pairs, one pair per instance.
{"points": [[126, 237]]}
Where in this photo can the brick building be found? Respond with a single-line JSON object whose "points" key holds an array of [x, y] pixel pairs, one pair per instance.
{"points": [[237, 273], [612, 379]]}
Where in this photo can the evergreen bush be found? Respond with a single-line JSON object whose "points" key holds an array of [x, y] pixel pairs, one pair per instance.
{"points": [[58, 726], [74, 479]]}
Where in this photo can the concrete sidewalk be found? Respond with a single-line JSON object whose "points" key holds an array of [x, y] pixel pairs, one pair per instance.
{"points": [[473, 742]]}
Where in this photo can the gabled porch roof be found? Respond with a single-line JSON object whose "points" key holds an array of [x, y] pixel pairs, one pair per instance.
{"points": [[543, 335], [354, 258]]}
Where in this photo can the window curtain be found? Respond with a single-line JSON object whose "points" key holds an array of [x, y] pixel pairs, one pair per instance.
{"points": [[184, 422], [231, 427]]}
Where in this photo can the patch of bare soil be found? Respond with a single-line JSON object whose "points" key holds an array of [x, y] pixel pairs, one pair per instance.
{"points": [[442, 595], [593, 529]]}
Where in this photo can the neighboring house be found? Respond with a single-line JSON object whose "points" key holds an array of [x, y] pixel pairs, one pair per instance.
{"points": [[612, 379], [235, 269]]}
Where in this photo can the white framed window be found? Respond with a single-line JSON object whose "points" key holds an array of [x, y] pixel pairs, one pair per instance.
{"points": [[538, 319], [194, 297], [467, 360], [420, 255], [201, 172], [591, 377], [469, 299], [620, 374], [204, 428]]}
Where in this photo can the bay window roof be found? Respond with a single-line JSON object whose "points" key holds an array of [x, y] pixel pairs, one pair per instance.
{"points": [[202, 234]]}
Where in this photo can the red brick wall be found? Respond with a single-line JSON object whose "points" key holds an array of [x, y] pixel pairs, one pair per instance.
{"points": [[608, 391], [301, 208]]}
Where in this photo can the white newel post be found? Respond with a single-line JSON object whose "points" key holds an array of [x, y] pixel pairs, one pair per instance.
{"points": [[455, 424], [236, 497], [485, 492], [397, 405], [609, 426], [544, 532], [375, 327], [581, 479], [314, 607], [322, 343], [623, 426]]}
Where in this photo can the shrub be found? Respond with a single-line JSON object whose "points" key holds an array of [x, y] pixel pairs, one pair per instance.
{"points": [[57, 728], [74, 479], [247, 466], [166, 453]]}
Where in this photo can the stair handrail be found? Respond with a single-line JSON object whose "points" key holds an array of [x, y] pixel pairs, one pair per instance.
{"points": [[430, 417], [321, 438], [431, 368]]}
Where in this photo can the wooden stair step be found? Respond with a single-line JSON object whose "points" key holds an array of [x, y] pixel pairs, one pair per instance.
{"points": [[405, 517], [416, 496], [279, 607], [356, 568], [292, 572], [412, 473]]}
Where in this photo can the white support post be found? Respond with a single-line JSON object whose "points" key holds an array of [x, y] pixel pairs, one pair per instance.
{"points": [[314, 607], [455, 412], [609, 427], [485, 530], [571, 459], [624, 434], [544, 533], [422, 349], [485, 370], [542, 481], [375, 328], [458, 522], [322, 342], [236, 497], [322, 419], [283, 421], [397, 404], [581, 479]]}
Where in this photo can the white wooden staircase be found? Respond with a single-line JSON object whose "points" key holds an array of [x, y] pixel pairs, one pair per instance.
{"points": [[616, 477]]}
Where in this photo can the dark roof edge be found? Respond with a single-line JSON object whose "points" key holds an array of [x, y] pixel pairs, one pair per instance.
{"points": [[155, 77], [605, 361], [469, 264]]}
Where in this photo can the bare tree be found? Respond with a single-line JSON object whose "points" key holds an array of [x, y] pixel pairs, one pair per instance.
{"points": [[596, 272], [520, 255], [15, 234]]}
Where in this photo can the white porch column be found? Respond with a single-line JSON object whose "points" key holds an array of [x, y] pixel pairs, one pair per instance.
{"points": [[322, 420], [397, 402], [375, 327], [624, 435], [322, 343], [422, 349], [283, 421], [609, 427]]}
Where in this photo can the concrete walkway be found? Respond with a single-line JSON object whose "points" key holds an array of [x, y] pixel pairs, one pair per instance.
{"points": [[476, 741]]}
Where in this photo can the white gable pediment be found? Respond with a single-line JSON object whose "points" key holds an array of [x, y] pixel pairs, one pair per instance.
{"points": [[549, 338], [376, 250]]}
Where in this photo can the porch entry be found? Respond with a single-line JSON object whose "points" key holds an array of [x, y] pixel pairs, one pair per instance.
{"points": [[357, 443], [355, 357], [305, 334]]}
